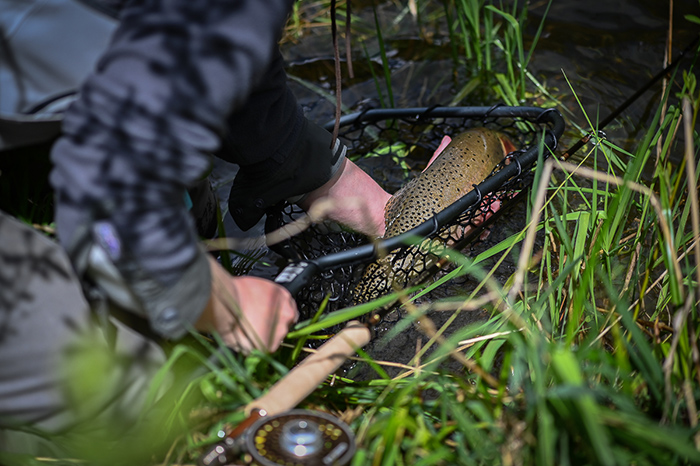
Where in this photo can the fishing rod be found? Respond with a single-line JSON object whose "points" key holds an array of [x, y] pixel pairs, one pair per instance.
{"points": [[310, 373], [623, 106]]}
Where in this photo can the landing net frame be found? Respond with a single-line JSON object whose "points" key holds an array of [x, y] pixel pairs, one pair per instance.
{"points": [[326, 260]]}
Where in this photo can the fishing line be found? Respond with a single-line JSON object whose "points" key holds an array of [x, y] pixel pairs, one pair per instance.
{"points": [[623, 106]]}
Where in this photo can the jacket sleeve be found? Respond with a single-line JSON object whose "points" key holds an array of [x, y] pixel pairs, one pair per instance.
{"points": [[139, 135]]}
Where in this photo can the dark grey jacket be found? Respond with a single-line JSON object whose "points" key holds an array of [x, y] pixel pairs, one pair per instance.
{"points": [[178, 81]]}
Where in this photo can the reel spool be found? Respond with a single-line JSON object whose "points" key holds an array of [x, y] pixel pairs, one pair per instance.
{"points": [[301, 438]]}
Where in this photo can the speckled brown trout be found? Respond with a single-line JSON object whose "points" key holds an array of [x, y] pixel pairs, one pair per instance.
{"points": [[466, 161]]}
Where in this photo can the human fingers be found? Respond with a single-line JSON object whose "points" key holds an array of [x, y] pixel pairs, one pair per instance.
{"points": [[263, 312], [247, 312]]}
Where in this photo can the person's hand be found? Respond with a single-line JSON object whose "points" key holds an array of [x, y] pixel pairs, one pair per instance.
{"points": [[247, 312], [357, 200]]}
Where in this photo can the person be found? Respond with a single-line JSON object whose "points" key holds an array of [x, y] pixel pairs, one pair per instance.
{"points": [[173, 82]]}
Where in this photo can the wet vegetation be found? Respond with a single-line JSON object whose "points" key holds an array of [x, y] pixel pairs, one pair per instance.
{"points": [[588, 353]]}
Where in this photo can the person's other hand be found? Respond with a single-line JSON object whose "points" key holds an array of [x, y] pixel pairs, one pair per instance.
{"points": [[247, 312], [358, 201]]}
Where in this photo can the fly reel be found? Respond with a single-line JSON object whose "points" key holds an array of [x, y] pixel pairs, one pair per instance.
{"points": [[301, 438], [293, 438]]}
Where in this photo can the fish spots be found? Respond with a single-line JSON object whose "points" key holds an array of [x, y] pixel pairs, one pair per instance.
{"points": [[467, 160]]}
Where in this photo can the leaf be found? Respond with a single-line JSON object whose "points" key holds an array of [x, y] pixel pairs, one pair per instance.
{"points": [[692, 19], [584, 406]]}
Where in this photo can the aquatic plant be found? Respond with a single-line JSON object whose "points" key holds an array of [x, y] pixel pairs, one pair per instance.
{"points": [[483, 36]]}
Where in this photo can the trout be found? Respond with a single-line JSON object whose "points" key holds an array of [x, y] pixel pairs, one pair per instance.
{"points": [[466, 161]]}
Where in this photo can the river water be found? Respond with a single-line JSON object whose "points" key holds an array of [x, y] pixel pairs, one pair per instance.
{"points": [[605, 48]]}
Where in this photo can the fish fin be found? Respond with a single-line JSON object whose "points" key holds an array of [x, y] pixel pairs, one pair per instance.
{"points": [[446, 140], [508, 145]]}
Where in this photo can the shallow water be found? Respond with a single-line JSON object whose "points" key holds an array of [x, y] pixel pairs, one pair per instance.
{"points": [[606, 49]]}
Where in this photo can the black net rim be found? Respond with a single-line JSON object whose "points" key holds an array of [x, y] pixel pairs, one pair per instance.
{"points": [[297, 275]]}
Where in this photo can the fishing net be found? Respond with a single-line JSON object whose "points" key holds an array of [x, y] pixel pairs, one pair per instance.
{"points": [[393, 146]]}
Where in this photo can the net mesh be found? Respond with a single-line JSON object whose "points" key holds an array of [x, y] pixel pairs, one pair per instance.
{"points": [[373, 146]]}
